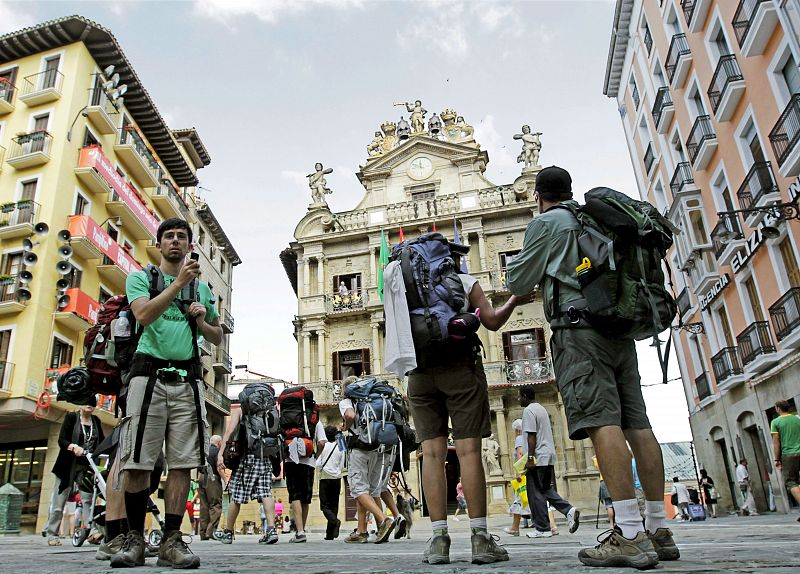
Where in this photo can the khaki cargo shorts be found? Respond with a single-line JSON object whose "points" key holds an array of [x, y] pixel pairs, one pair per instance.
{"points": [[598, 379], [368, 472], [171, 418], [459, 392]]}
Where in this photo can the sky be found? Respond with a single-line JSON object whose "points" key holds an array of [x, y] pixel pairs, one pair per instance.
{"points": [[274, 86]]}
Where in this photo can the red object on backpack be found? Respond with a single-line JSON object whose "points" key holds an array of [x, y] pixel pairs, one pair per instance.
{"points": [[101, 355], [299, 415]]}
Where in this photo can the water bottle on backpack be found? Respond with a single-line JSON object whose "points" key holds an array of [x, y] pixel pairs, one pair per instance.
{"points": [[122, 326]]}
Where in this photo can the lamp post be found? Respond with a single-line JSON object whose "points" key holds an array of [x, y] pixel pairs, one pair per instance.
{"points": [[779, 211]]}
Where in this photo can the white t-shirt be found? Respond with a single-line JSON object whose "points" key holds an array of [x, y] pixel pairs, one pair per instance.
{"points": [[345, 404], [741, 473], [319, 435], [332, 459], [681, 491], [521, 441]]}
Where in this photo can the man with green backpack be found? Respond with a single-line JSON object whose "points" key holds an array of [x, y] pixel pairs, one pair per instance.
{"points": [[599, 269]]}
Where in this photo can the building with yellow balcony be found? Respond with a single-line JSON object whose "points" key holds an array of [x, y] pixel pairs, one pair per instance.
{"points": [[88, 169], [415, 181]]}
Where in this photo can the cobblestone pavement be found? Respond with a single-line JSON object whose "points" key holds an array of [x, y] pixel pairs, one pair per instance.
{"points": [[730, 544]]}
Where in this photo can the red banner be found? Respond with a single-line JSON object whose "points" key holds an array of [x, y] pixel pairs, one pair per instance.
{"points": [[85, 226], [93, 156], [82, 305]]}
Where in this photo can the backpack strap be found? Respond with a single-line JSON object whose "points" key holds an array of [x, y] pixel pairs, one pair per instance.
{"points": [[663, 359]]}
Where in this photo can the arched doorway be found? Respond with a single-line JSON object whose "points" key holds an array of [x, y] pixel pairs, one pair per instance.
{"points": [[751, 446]]}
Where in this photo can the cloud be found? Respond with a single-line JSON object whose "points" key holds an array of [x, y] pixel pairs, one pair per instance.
{"points": [[493, 15], [501, 148], [298, 178], [268, 11], [445, 29], [14, 17]]}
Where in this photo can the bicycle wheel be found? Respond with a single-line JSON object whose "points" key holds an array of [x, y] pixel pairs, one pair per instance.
{"points": [[154, 538]]}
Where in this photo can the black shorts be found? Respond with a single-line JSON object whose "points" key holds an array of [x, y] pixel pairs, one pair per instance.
{"points": [[299, 481]]}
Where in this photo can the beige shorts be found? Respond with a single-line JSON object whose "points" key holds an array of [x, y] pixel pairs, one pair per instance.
{"points": [[171, 418]]}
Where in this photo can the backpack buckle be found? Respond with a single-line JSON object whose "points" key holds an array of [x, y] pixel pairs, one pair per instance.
{"points": [[573, 315]]}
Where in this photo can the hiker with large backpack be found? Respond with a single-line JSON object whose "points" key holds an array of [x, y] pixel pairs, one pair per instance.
{"points": [[446, 377], [255, 424], [303, 435], [165, 401], [599, 268]]}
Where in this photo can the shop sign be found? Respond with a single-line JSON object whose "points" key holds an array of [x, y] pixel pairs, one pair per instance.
{"points": [[713, 293]]}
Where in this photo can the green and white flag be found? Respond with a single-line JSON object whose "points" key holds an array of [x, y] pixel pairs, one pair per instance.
{"points": [[383, 260]]}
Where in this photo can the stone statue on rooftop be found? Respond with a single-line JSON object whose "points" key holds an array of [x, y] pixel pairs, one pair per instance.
{"points": [[318, 184], [417, 116], [531, 146]]}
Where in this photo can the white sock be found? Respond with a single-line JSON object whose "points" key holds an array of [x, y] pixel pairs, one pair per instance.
{"points": [[627, 517], [655, 516], [439, 526], [299, 532], [478, 524]]}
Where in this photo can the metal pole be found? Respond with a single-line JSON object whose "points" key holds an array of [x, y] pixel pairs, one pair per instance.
{"points": [[700, 490]]}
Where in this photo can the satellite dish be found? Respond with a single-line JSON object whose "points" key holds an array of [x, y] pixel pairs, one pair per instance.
{"points": [[41, 229], [65, 251], [23, 295], [30, 259], [123, 89], [108, 71], [27, 245], [64, 235], [25, 276], [62, 284], [115, 80], [63, 267], [63, 301]]}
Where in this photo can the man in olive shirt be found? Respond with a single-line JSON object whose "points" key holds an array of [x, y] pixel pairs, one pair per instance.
{"points": [[785, 431], [598, 378]]}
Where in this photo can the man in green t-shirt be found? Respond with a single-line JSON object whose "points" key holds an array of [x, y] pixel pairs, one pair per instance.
{"points": [[165, 402], [785, 429]]}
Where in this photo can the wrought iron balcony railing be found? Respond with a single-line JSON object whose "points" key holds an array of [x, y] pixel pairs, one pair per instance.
{"points": [[129, 135], [702, 131], [688, 7], [649, 158], [648, 40], [49, 79], [702, 386], [678, 48], [684, 302], [7, 90], [635, 96], [663, 100], [15, 213], [218, 399], [682, 177], [227, 321], [786, 133], [528, 370], [754, 341], [785, 313], [759, 181], [726, 363], [6, 375], [26, 144], [727, 71], [224, 358], [347, 301], [743, 18], [8, 288], [166, 189]]}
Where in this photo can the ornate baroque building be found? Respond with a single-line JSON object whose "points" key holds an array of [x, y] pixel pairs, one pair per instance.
{"points": [[420, 177]]}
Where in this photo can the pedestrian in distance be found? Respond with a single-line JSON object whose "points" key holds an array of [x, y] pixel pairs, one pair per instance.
{"points": [[746, 489], [597, 375], [461, 501], [540, 473], [165, 398], [210, 491], [518, 508], [785, 429], [709, 493], [330, 465], [680, 497]]}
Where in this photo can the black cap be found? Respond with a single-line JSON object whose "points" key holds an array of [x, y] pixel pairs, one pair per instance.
{"points": [[554, 181]]}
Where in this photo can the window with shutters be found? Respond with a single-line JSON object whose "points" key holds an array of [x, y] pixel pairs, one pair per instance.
{"points": [[790, 262], [61, 355], [10, 266], [725, 323], [82, 205], [525, 354], [752, 297], [353, 363]]}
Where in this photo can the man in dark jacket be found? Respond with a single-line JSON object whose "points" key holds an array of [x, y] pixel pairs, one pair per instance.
{"points": [[81, 432], [210, 491]]}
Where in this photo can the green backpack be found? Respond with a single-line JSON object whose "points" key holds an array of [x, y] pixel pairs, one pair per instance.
{"points": [[623, 243]]}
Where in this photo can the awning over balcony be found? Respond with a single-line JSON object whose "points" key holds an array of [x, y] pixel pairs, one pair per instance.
{"points": [[84, 226], [81, 311]]}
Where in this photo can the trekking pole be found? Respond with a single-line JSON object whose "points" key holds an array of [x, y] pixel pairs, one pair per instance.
{"points": [[101, 483], [597, 515]]}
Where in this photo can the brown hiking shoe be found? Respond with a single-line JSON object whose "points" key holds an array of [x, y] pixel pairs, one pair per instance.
{"points": [[384, 530], [664, 544], [356, 537], [485, 549], [132, 552], [107, 549], [616, 550], [175, 552]]}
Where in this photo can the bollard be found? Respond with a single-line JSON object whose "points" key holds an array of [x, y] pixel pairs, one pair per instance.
{"points": [[10, 510]]}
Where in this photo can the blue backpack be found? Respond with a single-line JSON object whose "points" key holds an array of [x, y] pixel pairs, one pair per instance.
{"points": [[434, 291], [376, 422]]}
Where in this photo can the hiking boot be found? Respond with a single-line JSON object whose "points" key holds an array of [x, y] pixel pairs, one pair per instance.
{"points": [[401, 528], [485, 549], [438, 550], [226, 536], [384, 530], [664, 544], [356, 537], [270, 537], [174, 552], [573, 520], [107, 549], [298, 538], [132, 552], [616, 550]]}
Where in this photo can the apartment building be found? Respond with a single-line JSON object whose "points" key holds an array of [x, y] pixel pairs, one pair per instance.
{"points": [[88, 169], [709, 97], [415, 182]]}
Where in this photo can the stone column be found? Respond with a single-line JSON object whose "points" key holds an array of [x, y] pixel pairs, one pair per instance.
{"points": [[373, 272], [376, 349], [497, 485], [320, 275], [498, 408], [482, 249], [322, 373], [306, 357], [305, 289]]}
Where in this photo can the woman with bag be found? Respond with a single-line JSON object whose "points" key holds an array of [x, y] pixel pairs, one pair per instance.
{"points": [[519, 508], [709, 493]]}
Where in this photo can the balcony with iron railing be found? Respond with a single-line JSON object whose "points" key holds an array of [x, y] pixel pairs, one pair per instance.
{"points": [[682, 180], [663, 109], [702, 386], [785, 314], [227, 321], [206, 348], [635, 96], [684, 302], [758, 189], [649, 158], [18, 218], [222, 361], [754, 341], [701, 143], [753, 23], [101, 111], [11, 301], [648, 40], [134, 153], [7, 92], [6, 376], [42, 88], [695, 12], [217, 400], [784, 137], [30, 150], [346, 301], [679, 60], [166, 198], [726, 364], [727, 87], [527, 371], [726, 237]]}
